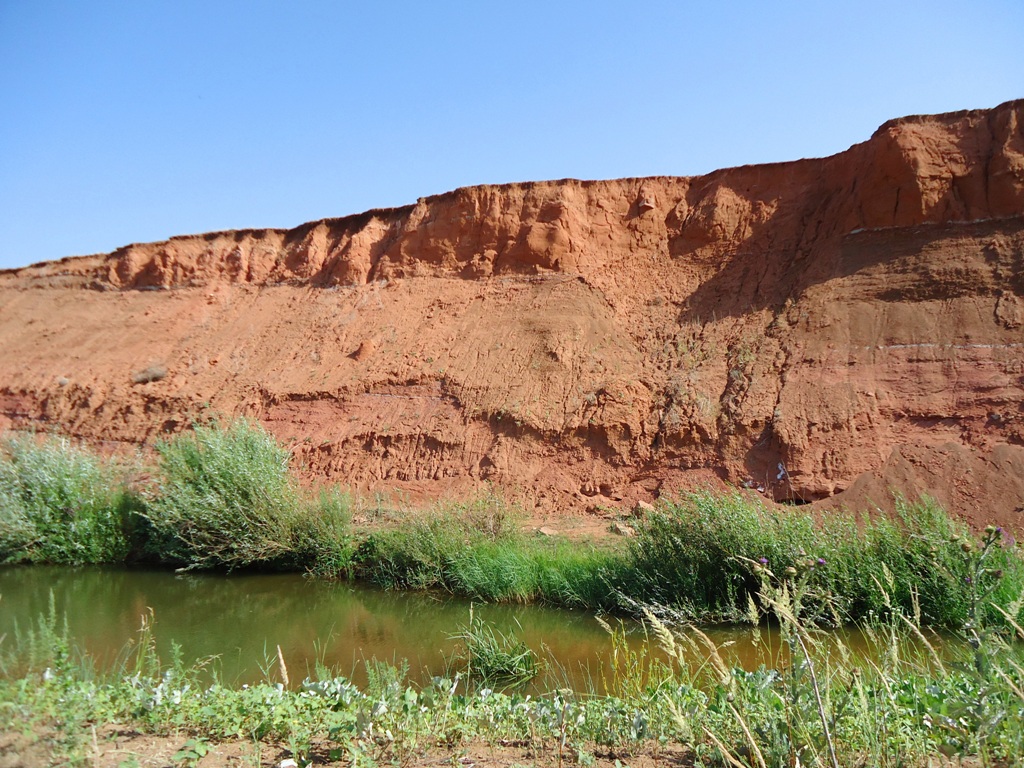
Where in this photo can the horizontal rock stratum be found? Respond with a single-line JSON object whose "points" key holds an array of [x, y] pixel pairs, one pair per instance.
{"points": [[825, 330]]}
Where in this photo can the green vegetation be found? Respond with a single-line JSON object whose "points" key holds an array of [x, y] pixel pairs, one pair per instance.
{"points": [[223, 497], [59, 504], [822, 705], [226, 499], [495, 658], [701, 557], [477, 550]]}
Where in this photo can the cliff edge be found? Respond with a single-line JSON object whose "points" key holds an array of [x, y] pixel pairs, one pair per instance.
{"points": [[824, 331]]}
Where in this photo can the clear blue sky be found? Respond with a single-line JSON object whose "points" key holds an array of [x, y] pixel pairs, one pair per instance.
{"points": [[137, 120]]}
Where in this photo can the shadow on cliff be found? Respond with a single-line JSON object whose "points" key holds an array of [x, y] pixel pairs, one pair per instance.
{"points": [[921, 263]]}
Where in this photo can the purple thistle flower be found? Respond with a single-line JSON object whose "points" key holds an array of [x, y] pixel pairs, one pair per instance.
{"points": [[821, 561], [763, 561]]}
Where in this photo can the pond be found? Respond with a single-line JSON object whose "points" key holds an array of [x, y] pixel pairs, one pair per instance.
{"points": [[240, 620]]}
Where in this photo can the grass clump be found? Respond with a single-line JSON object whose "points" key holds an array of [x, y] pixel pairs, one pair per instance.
{"points": [[702, 556], [495, 658], [226, 499], [478, 550], [60, 504]]}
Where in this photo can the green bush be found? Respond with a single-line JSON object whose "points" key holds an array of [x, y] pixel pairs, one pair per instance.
{"points": [[703, 554], [226, 499], [60, 504]]}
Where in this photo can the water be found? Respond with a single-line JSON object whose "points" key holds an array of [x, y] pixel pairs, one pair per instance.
{"points": [[241, 619]]}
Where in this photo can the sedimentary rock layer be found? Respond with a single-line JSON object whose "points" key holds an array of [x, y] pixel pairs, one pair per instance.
{"points": [[823, 330]]}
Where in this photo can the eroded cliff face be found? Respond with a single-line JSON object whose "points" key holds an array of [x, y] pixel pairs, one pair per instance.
{"points": [[822, 330]]}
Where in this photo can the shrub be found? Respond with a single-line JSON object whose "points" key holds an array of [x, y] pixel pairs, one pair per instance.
{"points": [[693, 554], [60, 504], [226, 499]]}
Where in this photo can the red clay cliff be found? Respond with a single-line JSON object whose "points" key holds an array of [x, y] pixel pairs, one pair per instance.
{"points": [[825, 330]]}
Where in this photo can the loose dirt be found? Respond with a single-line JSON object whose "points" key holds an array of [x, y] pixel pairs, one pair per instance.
{"points": [[111, 746]]}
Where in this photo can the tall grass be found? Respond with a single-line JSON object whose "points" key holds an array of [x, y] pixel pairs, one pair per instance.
{"points": [[226, 499], [493, 657], [478, 550], [701, 556], [61, 504]]}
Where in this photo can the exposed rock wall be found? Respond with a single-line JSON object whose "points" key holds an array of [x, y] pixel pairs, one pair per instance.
{"points": [[811, 328]]}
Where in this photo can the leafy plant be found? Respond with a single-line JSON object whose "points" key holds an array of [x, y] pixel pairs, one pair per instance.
{"points": [[226, 499], [61, 504], [192, 752]]}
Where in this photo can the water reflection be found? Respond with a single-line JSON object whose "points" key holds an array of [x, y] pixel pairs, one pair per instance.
{"points": [[242, 618]]}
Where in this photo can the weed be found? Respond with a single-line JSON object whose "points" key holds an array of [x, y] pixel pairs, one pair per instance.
{"points": [[192, 752], [822, 704], [495, 658], [478, 551], [693, 556], [226, 499]]}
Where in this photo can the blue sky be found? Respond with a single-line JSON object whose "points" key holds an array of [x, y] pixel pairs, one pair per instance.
{"points": [[132, 121]]}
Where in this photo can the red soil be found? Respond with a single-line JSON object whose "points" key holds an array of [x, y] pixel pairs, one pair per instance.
{"points": [[825, 330]]}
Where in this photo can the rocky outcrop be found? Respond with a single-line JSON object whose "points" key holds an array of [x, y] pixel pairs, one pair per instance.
{"points": [[821, 330]]}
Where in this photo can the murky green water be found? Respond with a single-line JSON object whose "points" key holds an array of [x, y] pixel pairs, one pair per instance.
{"points": [[241, 619]]}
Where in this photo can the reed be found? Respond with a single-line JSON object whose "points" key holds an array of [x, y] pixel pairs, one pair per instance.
{"points": [[495, 658], [450, 550], [694, 555]]}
